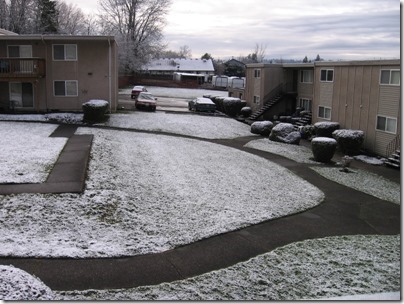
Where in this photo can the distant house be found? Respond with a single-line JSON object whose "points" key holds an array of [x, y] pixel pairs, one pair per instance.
{"points": [[362, 95], [41, 73], [169, 66], [234, 67]]}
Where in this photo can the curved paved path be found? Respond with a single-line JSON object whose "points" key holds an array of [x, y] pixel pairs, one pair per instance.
{"points": [[344, 212]]}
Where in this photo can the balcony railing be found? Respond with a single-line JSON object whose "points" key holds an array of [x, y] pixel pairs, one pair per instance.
{"points": [[22, 68]]}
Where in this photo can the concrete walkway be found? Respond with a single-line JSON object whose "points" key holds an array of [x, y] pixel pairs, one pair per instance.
{"points": [[344, 212]]}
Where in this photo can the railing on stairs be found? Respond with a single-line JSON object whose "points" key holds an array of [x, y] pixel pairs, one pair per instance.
{"points": [[268, 98], [393, 146]]}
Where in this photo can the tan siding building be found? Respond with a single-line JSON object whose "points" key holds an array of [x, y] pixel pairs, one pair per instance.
{"points": [[57, 73], [363, 95]]}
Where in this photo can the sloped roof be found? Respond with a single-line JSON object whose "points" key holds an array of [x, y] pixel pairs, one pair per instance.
{"points": [[183, 65], [4, 32]]}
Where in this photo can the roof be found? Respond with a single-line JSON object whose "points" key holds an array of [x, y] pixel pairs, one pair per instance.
{"points": [[4, 32], [177, 64], [55, 37]]}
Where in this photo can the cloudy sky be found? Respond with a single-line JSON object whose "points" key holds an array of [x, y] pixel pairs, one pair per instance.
{"points": [[344, 29]]}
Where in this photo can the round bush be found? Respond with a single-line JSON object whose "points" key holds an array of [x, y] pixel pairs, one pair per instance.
{"points": [[349, 141], [246, 111], [262, 127], [94, 110], [307, 131], [232, 106], [323, 148], [281, 131], [325, 128]]}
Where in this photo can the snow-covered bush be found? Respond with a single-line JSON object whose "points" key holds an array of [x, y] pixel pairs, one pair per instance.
{"points": [[246, 111], [325, 128], [94, 110], [307, 131], [323, 148], [349, 141], [18, 285], [262, 127], [232, 106], [285, 133]]}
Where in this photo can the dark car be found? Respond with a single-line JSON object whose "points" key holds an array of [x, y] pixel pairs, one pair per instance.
{"points": [[136, 90], [202, 104], [146, 101]]}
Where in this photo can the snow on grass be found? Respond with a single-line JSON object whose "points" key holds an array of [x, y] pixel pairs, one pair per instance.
{"points": [[300, 154], [177, 92], [193, 125], [18, 285], [149, 193], [27, 152], [311, 269], [364, 181], [370, 160], [72, 118]]}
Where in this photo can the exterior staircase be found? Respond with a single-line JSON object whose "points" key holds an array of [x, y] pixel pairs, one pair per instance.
{"points": [[394, 160], [303, 120], [267, 106]]}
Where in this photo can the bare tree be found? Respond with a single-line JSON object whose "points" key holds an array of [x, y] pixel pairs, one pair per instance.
{"points": [[138, 26], [185, 52], [259, 52], [71, 19]]}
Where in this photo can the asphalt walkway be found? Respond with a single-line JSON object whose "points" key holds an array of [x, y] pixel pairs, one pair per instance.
{"points": [[345, 211]]}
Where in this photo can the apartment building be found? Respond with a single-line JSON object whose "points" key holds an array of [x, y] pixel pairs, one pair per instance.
{"points": [[362, 95], [44, 73]]}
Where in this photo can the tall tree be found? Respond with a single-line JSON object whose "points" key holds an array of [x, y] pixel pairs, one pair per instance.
{"points": [[138, 26], [72, 20], [48, 17]]}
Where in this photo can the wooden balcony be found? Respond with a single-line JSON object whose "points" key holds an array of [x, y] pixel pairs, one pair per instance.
{"points": [[16, 68]]}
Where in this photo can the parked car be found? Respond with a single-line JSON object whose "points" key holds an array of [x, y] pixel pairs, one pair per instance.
{"points": [[136, 90], [146, 100], [202, 104]]}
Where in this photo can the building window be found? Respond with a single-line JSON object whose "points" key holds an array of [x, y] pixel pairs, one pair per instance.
{"points": [[390, 77], [305, 103], [327, 75], [257, 100], [324, 112], [257, 73], [306, 76], [20, 51], [66, 88], [65, 52], [386, 124]]}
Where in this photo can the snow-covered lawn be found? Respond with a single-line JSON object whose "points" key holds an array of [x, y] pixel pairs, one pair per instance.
{"points": [[185, 124], [364, 181], [312, 269], [177, 92], [27, 152], [148, 193], [300, 154]]}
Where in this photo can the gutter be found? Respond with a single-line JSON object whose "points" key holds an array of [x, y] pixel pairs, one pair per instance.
{"points": [[109, 73]]}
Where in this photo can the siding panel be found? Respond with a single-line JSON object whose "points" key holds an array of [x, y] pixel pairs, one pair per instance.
{"points": [[389, 101]]}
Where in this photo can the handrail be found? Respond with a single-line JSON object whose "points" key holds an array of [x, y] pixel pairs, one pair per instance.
{"points": [[22, 67], [273, 93], [393, 146]]}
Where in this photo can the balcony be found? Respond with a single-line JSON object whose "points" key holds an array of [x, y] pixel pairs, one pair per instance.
{"points": [[12, 68]]}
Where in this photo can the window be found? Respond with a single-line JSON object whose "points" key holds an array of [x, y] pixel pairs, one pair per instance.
{"points": [[257, 73], [324, 112], [327, 75], [390, 77], [306, 76], [386, 124], [257, 100], [305, 103], [20, 51], [66, 88], [65, 52]]}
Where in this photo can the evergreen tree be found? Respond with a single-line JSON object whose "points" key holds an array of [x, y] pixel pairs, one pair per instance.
{"points": [[305, 60], [48, 17]]}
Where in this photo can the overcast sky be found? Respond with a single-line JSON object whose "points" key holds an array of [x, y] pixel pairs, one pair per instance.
{"points": [[292, 29]]}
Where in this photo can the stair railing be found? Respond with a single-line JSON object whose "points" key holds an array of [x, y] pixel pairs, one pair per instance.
{"points": [[393, 146]]}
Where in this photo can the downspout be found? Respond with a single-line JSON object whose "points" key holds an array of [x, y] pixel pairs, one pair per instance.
{"points": [[109, 73]]}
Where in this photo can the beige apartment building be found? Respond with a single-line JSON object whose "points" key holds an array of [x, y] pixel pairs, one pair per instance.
{"points": [[361, 95], [45, 73]]}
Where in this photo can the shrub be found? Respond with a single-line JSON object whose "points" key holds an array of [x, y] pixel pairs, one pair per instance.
{"points": [[323, 148], [325, 128], [262, 127], [349, 141], [94, 110], [246, 111], [232, 106], [280, 131], [307, 131]]}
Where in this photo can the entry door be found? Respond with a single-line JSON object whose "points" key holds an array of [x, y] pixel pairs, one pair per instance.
{"points": [[21, 95]]}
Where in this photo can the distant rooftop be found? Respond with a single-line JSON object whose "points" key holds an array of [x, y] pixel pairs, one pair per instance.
{"points": [[180, 64], [4, 32]]}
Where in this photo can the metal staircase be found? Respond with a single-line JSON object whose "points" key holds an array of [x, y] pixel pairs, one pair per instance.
{"points": [[268, 105]]}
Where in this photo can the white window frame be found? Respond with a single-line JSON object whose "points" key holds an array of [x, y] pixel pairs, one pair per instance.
{"points": [[325, 116], [66, 88], [326, 75], [305, 101], [304, 75], [386, 124], [257, 99], [66, 56], [257, 73], [390, 78]]}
